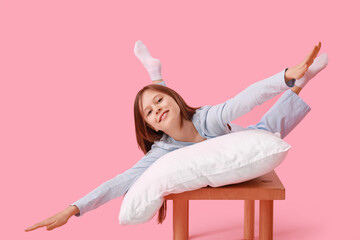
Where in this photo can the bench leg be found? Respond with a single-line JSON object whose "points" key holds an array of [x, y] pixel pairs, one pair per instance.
{"points": [[181, 219], [266, 219], [249, 219]]}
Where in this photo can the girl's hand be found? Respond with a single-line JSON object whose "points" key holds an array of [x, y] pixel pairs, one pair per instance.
{"points": [[299, 70], [55, 221]]}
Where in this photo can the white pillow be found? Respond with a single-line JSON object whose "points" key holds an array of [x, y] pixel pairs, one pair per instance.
{"points": [[228, 159]]}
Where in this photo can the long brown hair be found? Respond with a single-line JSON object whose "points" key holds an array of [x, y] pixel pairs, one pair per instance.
{"points": [[145, 135]]}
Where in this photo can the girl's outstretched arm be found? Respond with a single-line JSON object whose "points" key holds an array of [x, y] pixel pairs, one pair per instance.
{"points": [[217, 117], [107, 191]]}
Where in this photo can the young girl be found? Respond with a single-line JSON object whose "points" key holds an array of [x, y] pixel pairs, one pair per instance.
{"points": [[164, 122]]}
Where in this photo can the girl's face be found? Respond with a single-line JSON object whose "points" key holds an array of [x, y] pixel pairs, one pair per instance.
{"points": [[160, 111]]}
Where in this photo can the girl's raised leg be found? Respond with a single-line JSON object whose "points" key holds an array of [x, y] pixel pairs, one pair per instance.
{"points": [[152, 65], [318, 64], [290, 109], [284, 115]]}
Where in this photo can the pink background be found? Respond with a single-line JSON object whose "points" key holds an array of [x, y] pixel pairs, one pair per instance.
{"points": [[68, 81]]}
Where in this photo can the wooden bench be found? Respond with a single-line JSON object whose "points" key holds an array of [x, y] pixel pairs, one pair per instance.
{"points": [[266, 188]]}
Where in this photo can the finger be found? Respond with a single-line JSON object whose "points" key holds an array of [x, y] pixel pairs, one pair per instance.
{"points": [[314, 53], [299, 66], [308, 57], [318, 50], [52, 226], [301, 71], [303, 66], [312, 56], [35, 226], [29, 229], [39, 225], [306, 67]]}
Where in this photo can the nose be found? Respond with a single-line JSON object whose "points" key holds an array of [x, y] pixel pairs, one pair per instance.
{"points": [[158, 110]]}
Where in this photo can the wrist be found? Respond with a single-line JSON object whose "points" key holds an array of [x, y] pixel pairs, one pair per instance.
{"points": [[288, 76], [72, 210]]}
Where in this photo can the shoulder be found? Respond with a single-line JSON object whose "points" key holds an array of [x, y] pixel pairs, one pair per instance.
{"points": [[207, 122], [201, 112]]}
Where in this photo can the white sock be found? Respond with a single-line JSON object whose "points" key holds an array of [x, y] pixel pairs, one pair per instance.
{"points": [[152, 65], [319, 64]]}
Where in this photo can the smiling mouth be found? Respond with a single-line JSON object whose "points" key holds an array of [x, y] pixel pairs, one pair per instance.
{"points": [[163, 115]]}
